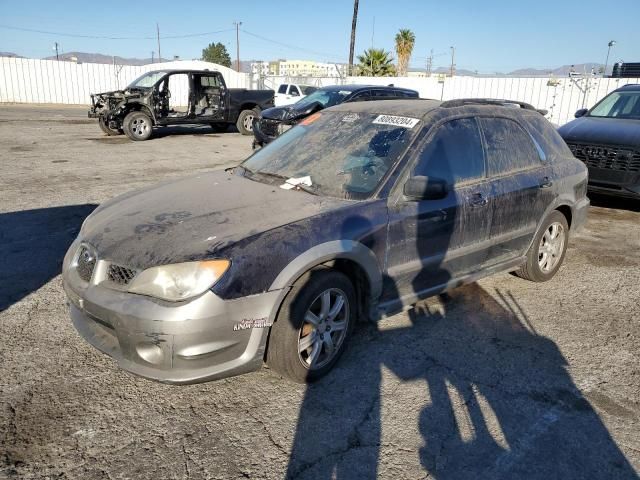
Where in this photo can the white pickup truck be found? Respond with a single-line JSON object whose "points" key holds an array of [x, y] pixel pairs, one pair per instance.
{"points": [[292, 92]]}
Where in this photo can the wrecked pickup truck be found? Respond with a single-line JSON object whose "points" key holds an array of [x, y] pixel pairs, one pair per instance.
{"points": [[176, 97]]}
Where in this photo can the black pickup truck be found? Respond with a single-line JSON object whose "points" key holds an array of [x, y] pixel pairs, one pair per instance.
{"points": [[174, 97]]}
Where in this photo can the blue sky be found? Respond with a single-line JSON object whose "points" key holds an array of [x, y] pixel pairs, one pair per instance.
{"points": [[489, 36]]}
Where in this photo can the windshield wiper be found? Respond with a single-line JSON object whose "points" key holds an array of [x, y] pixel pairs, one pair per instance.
{"points": [[305, 188]]}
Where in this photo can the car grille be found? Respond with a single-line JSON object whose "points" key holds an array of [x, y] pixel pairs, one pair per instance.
{"points": [[269, 127], [85, 264], [120, 275], [607, 157]]}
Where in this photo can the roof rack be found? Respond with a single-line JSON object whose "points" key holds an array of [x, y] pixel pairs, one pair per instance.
{"points": [[491, 101]]}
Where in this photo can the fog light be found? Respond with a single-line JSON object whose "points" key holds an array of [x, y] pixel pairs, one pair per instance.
{"points": [[149, 352]]}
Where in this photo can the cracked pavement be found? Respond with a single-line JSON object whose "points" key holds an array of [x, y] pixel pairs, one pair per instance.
{"points": [[499, 379]]}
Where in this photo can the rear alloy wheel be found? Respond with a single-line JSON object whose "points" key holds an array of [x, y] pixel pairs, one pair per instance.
{"points": [[547, 250], [245, 121], [313, 326], [137, 126], [104, 126]]}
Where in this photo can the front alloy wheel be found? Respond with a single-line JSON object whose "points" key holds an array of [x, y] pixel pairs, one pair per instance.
{"points": [[313, 325], [324, 329]]}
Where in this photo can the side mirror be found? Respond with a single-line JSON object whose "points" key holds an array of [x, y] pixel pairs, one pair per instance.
{"points": [[425, 188], [581, 113]]}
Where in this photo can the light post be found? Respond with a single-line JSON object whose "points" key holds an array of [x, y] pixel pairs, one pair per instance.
{"points": [[606, 63]]}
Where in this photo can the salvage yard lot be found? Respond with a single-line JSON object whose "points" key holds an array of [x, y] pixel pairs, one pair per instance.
{"points": [[499, 379]]}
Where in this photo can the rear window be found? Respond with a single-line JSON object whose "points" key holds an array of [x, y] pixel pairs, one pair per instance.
{"points": [[283, 88]]}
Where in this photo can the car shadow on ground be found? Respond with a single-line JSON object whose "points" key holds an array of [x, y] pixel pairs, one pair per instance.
{"points": [[32, 246], [496, 401], [617, 203], [191, 130]]}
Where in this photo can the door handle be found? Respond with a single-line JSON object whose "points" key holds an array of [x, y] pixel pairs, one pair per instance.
{"points": [[477, 200], [546, 182]]}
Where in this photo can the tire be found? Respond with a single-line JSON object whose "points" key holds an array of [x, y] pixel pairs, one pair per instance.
{"points": [[102, 123], [137, 126], [546, 254], [292, 330], [245, 121], [219, 127]]}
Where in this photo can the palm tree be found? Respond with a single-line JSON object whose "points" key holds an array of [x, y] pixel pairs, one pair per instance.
{"points": [[354, 21], [405, 40], [376, 62]]}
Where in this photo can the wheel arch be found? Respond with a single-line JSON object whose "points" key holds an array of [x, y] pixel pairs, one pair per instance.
{"points": [[349, 257], [248, 106]]}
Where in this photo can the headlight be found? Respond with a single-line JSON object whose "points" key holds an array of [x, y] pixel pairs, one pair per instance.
{"points": [[283, 127], [179, 281]]}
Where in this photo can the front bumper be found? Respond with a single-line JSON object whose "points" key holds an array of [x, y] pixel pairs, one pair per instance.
{"points": [[204, 339], [265, 130]]}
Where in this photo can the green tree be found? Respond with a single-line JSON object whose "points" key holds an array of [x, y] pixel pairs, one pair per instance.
{"points": [[405, 40], [376, 62], [217, 53]]}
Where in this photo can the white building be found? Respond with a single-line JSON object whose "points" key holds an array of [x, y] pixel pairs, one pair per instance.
{"points": [[299, 68]]}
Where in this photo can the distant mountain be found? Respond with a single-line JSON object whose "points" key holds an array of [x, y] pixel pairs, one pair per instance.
{"points": [[83, 57], [562, 71], [10, 54]]}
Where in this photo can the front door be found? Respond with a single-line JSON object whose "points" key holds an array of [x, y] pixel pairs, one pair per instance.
{"points": [[432, 242]]}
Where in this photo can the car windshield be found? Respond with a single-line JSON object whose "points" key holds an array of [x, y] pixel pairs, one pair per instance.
{"points": [[307, 89], [618, 105], [147, 80], [327, 98], [335, 154]]}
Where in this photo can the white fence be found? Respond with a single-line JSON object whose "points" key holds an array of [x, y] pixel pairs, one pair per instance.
{"points": [[560, 96], [25, 80], [48, 81]]}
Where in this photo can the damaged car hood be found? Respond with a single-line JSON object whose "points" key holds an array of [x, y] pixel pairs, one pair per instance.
{"points": [[283, 114], [193, 218]]}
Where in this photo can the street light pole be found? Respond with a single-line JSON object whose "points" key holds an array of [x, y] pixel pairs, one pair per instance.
{"points": [[606, 63]]}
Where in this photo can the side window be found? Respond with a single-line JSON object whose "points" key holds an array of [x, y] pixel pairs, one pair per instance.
{"points": [[362, 96], [382, 94], [453, 154], [210, 81], [294, 91], [283, 88], [509, 147], [547, 137]]}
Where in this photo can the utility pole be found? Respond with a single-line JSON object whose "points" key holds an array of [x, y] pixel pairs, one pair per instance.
{"points": [[152, 61], [430, 63], [354, 21], [56, 49], [453, 56], [237, 24], [158, 33]]}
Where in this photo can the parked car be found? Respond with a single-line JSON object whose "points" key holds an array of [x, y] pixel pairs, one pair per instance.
{"points": [[357, 212], [200, 97], [607, 139], [288, 93], [273, 121]]}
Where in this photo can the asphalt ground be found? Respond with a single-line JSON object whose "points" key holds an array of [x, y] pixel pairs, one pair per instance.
{"points": [[499, 379]]}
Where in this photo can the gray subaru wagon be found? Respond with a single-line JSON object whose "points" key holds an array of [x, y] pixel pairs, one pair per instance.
{"points": [[359, 211]]}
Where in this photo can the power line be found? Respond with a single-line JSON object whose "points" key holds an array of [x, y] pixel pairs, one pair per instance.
{"points": [[104, 37], [293, 47]]}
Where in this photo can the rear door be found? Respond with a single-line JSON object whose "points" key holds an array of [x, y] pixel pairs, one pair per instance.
{"points": [[209, 97], [431, 242], [521, 182]]}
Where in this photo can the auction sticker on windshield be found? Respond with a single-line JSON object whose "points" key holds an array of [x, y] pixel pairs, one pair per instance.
{"points": [[405, 122]]}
